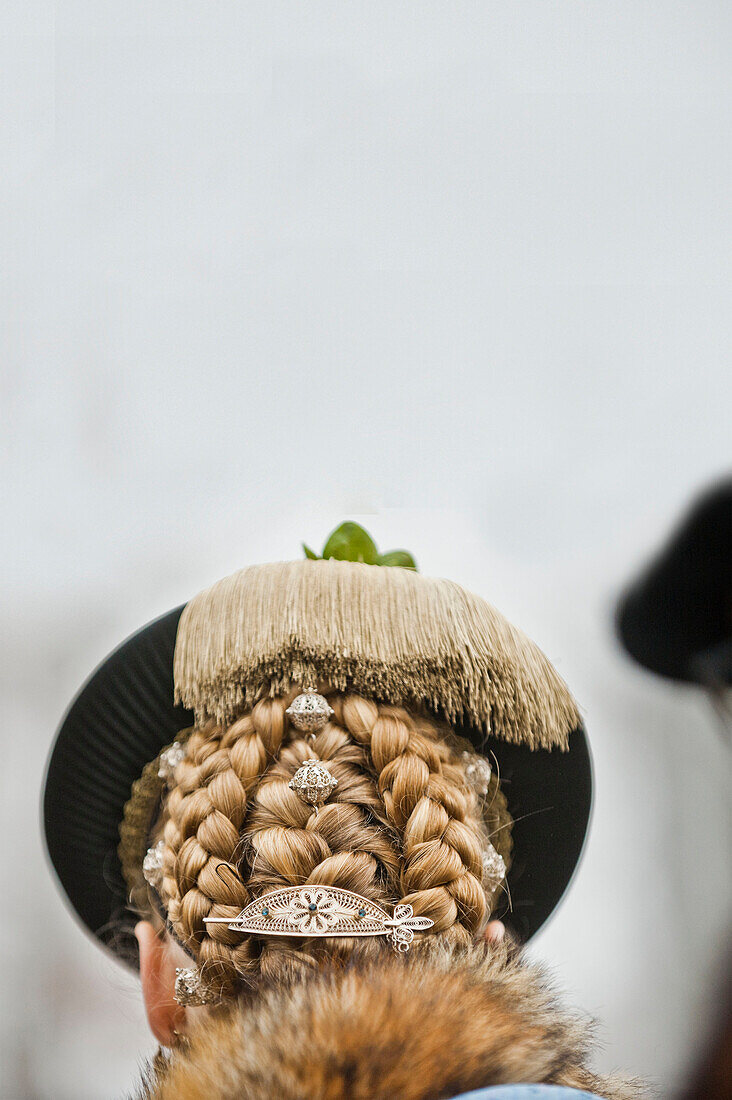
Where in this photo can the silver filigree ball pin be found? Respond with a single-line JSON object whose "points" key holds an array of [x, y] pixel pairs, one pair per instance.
{"points": [[313, 783], [309, 712]]}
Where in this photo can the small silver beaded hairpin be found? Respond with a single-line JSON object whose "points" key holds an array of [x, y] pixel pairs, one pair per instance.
{"points": [[323, 911], [169, 760], [477, 772], [152, 865], [190, 990]]}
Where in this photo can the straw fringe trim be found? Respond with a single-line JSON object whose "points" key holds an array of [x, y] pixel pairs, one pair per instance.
{"points": [[383, 632]]}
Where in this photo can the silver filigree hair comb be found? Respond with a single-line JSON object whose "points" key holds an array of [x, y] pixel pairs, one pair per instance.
{"points": [[325, 911]]}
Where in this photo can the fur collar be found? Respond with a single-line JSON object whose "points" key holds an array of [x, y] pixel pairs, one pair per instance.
{"points": [[423, 1028]]}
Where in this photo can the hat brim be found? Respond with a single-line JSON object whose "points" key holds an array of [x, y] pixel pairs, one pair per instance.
{"points": [[124, 715]]}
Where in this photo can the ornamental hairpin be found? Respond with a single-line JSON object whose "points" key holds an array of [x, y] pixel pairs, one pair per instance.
{"points": [[152, 865], [325, 911], [313, 783], [190, 990], [494, 868], [310, 712], [477, 772], [169, 760]]}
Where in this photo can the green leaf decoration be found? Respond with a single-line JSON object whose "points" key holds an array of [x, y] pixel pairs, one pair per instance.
{"points": [[398, 557], [350, 542]]}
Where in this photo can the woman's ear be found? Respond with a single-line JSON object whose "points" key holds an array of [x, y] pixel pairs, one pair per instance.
{"points": [[157, 970], [495, 931]]}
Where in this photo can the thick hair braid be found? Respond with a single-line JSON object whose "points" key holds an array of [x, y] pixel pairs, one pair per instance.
{"points": [[347, 843], [402, 824], [429, 803], [205, 813]]}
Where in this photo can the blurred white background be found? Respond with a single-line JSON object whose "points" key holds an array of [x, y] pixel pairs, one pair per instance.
{"points": [[460, 271]]}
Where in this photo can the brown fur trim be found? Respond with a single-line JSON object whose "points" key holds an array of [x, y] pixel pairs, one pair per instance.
{"points": [[414, 1028]]}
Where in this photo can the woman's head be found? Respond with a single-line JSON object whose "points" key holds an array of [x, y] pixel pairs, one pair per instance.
{"points": [[403, 824], [228, 663], [406, 824]]}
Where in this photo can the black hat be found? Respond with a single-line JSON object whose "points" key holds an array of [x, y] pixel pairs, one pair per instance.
{"points": [[676, 618], [383, 631]]}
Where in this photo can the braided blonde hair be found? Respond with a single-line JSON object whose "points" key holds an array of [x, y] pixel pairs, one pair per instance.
{"points": [[403, 824]]}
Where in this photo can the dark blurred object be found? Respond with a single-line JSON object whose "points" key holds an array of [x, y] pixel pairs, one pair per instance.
{"points": [[676, 619], [712, 1079]]}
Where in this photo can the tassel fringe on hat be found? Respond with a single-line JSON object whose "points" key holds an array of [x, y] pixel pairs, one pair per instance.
{"points": [[383, 631]]}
